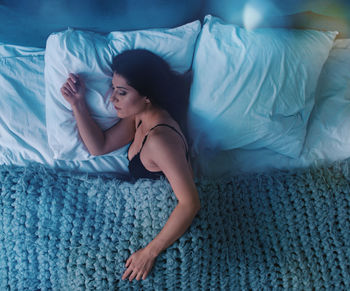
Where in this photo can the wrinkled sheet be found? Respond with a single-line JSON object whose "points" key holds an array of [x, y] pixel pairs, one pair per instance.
{"points": [[23, 136]]}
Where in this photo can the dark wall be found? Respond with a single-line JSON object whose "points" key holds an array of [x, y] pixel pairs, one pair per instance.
{"points": [[29, 22], [235, 10]]}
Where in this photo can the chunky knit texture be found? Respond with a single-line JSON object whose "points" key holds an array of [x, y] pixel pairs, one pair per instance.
{"points": [[66, 231]]}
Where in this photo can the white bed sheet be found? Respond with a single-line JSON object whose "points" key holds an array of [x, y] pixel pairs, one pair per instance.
{"points": [[23, 136], [22, 115]]}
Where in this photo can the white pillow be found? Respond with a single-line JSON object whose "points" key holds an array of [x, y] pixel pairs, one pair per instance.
{"points": [[328, 137], [22, 106], [90, 55], [23, 135], [254, 88]]}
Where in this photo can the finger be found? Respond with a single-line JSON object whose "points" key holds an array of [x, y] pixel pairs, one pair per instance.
{"points": [[126, 273], [80, 81], [73, 77], [67, 91], [138, 277], [133, 275], [145, 275], [71, 85], [146, 272], [128, 262]]}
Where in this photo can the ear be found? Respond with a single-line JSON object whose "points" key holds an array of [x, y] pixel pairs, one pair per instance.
{"points": [[147, 101]]}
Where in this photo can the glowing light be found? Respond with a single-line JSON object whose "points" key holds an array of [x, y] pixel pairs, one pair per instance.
{"points": [[256, 12], [252, 17]]}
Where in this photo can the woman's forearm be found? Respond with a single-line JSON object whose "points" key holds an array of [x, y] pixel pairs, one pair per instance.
{"points": [[90, 132], [179, 221]]}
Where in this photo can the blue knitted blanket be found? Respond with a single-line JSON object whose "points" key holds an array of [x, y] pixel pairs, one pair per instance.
{"points": [[283, 230]]}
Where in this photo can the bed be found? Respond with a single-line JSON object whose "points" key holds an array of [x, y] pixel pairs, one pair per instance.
{"points": [[268, 122]]}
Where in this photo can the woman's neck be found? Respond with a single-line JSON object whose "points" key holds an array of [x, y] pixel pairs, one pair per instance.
{"points": [[151, 116]]}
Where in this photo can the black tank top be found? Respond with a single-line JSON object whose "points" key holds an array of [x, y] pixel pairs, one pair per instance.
{"points": [[137, 169]]}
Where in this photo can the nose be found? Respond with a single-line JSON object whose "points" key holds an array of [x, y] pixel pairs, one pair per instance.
{"points": [[113, 97]]}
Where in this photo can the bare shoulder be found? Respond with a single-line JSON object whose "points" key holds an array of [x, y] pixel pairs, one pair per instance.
{"points": [[164, 143], [165, 136], [166, 149]]}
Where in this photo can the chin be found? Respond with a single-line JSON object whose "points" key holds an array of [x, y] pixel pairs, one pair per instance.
{"points": [[121, 115]]}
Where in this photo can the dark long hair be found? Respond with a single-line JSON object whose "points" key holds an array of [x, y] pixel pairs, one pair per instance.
{"points": [[152, 76]]}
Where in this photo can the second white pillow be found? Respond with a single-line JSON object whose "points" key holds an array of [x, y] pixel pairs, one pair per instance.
{"points": [[254, 89]]}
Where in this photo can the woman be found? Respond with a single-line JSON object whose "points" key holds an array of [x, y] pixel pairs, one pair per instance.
{"points": [[144, 96]]}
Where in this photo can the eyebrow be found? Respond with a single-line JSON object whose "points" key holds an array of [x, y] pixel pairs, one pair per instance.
{"points": [[119, 87]]}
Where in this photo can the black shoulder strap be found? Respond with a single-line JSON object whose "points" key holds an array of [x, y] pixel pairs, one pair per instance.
{"points": [[173, 128]]}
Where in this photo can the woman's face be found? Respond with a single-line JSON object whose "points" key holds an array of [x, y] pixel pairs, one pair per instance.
{"points": [[126, 99]]}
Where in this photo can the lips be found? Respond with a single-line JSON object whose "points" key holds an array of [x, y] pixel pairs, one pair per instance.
{"points": [[117, 108]]}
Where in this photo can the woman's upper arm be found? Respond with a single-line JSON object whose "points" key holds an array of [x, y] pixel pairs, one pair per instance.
{"points": [[119, 135], [169, 155]]}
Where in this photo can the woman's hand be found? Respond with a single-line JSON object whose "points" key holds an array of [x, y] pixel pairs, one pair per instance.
{"points": [[139, 265], [73, 90]]}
